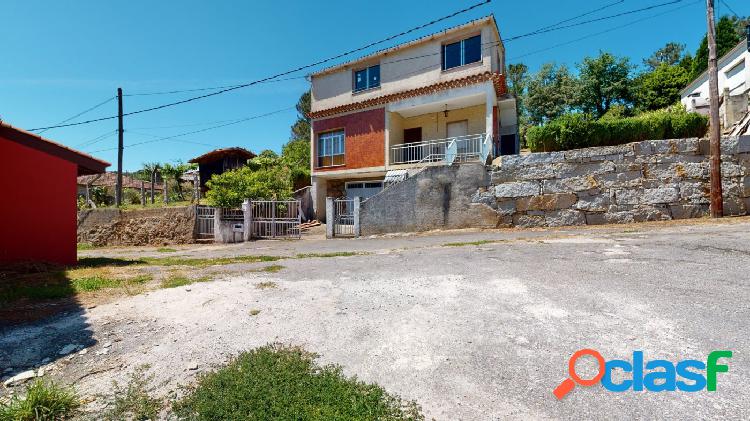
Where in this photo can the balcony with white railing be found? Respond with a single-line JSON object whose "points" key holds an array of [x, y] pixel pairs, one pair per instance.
{"points": [[468, 148]]}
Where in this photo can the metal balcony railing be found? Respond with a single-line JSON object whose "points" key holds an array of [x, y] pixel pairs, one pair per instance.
{"points": [[473, 147]]}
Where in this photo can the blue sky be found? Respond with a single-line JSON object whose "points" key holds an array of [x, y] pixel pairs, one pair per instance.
{"points": [[60, 58]]}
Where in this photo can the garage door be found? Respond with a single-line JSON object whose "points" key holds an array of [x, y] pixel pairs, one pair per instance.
{"points": [[363, 189]]}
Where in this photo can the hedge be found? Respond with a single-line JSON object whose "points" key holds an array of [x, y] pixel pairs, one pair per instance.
{"points": [[574, 131]]}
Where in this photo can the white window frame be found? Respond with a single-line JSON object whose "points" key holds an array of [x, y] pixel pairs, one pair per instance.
{"points": [[329, 143]]}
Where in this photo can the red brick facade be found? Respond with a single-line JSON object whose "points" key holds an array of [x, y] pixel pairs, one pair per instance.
{"points": [[364, 144]]}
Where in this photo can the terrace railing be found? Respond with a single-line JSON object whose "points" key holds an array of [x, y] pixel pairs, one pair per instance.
{"points": [[474, 147]]}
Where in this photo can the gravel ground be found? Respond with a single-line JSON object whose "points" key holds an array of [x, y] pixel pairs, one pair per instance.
{"points": [[473, 332]]}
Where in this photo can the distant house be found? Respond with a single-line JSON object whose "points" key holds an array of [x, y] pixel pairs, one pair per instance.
{"points": [[219, 161], [38, 183], [734, 86], [109, 180]]}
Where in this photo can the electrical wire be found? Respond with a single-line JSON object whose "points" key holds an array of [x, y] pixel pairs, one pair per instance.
{"points": [[585, 22], [729, 7], [208, 89], [580, 16], [241, 120], [96, 139], [603, 32], [300, 68], [79, 114]]}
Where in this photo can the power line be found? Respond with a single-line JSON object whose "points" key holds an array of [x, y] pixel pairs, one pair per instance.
{"points": [[603, 32], [307, 66], [181, 140], [96, 139], [580, 16], [557, 28], [729, 7], [202, 130], [207, 89], [79, 114]]}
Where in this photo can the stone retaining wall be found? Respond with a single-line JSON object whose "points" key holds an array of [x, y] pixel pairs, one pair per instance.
{"points": [[642, 181], [436, 197], [115, 227]]}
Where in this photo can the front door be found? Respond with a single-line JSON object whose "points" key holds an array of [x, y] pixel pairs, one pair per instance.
{"points": [[413, 135], [458, 129]]}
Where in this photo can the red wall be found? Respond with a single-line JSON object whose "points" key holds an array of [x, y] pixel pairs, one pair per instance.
{"points": [[365, 138], [38, 206]]}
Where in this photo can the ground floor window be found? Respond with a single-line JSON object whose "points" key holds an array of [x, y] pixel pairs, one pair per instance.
{"points": [[331, 149]]}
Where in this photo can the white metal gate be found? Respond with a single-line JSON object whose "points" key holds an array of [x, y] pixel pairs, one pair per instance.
{"points": [[204, 219], [275, 218], [343, 217]]}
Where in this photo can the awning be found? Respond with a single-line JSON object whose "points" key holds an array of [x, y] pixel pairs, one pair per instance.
{"points": [[395, 176]]}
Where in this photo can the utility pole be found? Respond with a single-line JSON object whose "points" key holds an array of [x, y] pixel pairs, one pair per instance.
{"points": [[118, 190], [717, 205]]}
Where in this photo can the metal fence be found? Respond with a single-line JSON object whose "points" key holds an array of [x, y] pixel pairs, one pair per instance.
{"points": [[458, 149], [204, 219], [343, 217], [275, 218]]}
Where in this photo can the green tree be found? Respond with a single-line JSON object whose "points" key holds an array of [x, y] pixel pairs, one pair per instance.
{"points": [[265, 181], [517, 81], [727, 37], [549, 93], [301, 127], [173, 173], [296, 155], [670, 54], [661, 87], [603, 82]]}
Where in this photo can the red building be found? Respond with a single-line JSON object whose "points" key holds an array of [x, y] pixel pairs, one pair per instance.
{"points": [[37, 197]]}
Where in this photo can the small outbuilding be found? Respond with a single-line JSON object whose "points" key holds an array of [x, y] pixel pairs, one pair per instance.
{"points": [[38, 187], [219, 161]]}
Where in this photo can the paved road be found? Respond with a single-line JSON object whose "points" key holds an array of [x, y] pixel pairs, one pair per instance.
{"points": [[474, 332]]}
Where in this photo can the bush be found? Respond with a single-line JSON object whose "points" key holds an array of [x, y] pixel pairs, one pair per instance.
{"points": [[277, 382], [573, 131], [42, 402]]}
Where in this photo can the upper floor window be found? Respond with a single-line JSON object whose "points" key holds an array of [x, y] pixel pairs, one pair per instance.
{"points": [[367, 78], [331, 149], [466, 51]]}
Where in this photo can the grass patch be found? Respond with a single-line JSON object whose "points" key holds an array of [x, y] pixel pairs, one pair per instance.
{"points": [[266, 285], [42, 401], [166, 250], [270, 268], [180, 280], [281, 382], [473, 243], [59, 284], [85, 246], [133, 402], [204, 262], [331, 254]]}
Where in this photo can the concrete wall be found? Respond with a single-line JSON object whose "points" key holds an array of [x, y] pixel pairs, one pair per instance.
{"points": [[437, 197], [405, 69], [172, 225], [650, 180]]}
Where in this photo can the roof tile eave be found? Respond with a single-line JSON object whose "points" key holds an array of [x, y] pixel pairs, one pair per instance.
{"points": [[496, 78]]}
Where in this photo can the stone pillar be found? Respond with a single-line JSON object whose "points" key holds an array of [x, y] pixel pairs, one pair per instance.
{"points": [[247, 213], [217, 226], [329, 217], [196, 188], [728, 109], [357, 202], [166, 191], [318, 193]]}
